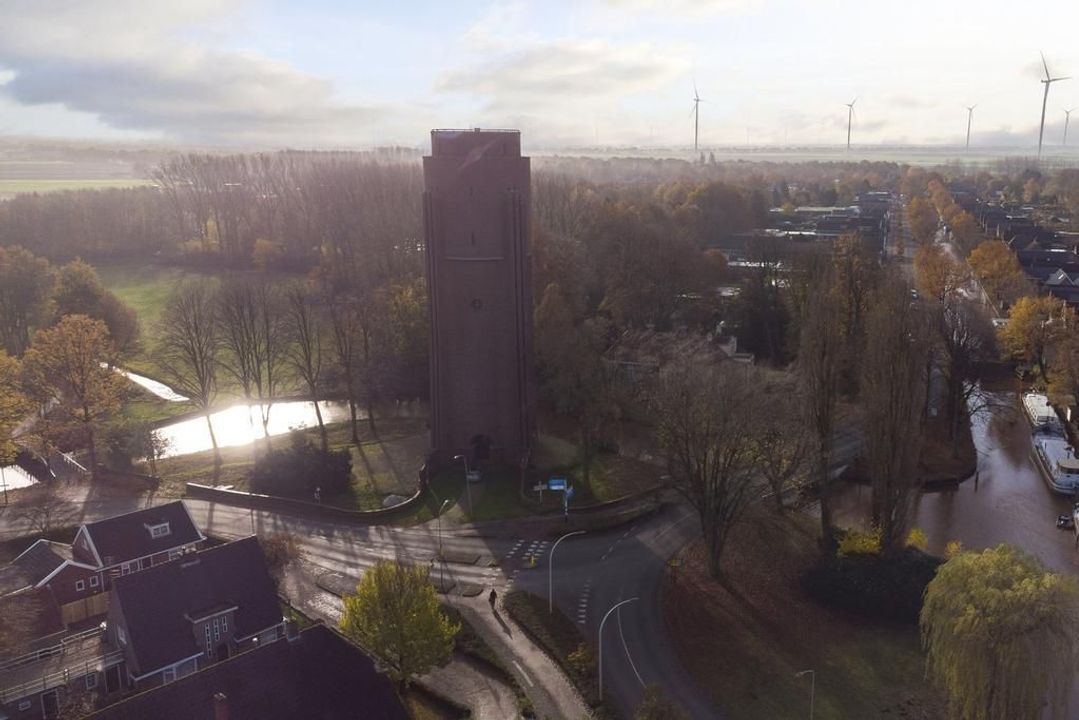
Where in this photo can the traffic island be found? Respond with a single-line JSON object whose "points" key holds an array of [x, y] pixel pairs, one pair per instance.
{"points": [[560, 639]]}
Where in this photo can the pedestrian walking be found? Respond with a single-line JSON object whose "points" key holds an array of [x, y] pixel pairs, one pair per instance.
{"points": [[492, 598]]}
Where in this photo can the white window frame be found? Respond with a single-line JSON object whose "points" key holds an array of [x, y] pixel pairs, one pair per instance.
{"points": [[217, 629], [224, 623], [91, 680], [94, 581], [125, 568], [175, 553], [165, 679], [24, 705], [121, 636], [80, 585], [159, 531]]}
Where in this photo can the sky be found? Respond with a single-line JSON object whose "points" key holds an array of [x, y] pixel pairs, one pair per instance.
{"points": [[569, 74]]}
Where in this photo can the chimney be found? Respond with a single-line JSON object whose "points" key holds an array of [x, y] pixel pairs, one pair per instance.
{"points": [[221, 706]]}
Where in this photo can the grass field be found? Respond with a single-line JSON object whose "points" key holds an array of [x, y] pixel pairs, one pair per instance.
{"points": [[744, 642], [11, 187], [146, 289]]}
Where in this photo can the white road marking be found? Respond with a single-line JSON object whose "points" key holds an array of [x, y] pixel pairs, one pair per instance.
{"points": [[626, 648], [675, 524], [523, 674]]}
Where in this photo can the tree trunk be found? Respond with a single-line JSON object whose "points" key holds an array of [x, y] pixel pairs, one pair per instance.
{"points": [[321, 424], [827, 533], [368, 382], [213, 439], [93, 450], [351, 389]]}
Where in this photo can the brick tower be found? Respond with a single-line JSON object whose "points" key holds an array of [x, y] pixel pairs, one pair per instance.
{"points": [[477, 213]]}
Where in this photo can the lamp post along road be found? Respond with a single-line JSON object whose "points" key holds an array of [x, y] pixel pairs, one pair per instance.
{"points": [[601, 624], [812, 687], [468, 489], [441, 559], [550, 570]]}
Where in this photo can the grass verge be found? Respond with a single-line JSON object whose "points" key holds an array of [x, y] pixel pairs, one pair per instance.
{"points": [[744, 641], [560, 639]]}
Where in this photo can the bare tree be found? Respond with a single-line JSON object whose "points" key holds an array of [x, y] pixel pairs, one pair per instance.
{"points": [[893, 385], [251, 325], [820, 358], [42, 509], [346, 351], [966, 338], [784, 448], [708, 420], [188, 346], [305, 329]]}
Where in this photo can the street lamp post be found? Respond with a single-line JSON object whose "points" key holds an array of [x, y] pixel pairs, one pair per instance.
{"points": [[812, 687], [550, 570], [441, 559], [468, 488], [601, 624]]}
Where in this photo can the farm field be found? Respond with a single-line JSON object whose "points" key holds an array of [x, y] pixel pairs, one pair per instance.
{"points": [[13, 187]]}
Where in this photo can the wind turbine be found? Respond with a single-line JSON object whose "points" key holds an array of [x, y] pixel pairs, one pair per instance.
{"points": [[696, 115], [970, 116], [1067, 117], [850, 119], [1049, 80]]}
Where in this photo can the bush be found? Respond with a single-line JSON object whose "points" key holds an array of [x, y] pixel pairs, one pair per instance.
{"points": [[884, 588], [302, 468]]}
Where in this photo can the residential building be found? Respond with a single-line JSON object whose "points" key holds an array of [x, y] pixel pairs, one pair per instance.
{"points": [[172, 619], [315, 674]]}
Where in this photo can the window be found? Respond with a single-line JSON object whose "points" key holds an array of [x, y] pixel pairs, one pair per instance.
{"points": [[80, 585], [159, 531], [94, 581], [125, 569], [121, 636], [24, 704], [217, 629], [173, 554], [169, 675], [225, 623], [209, 646], [91, 681]]}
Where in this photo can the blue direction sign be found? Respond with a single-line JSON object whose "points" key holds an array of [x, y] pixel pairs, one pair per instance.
{"points": [[556, 483]]}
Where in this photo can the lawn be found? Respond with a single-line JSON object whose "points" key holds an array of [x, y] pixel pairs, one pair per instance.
{"points": [[397, 440], [744, 643], [146, 289], [28, 185]]}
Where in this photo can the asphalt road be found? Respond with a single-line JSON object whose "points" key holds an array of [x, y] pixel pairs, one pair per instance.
{"points": [[593, 572]]}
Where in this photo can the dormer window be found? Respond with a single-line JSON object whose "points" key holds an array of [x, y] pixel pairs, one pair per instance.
{"points": [[158, 531]]}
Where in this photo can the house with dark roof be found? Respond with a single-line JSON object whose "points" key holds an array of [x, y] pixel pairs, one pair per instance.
{"points": [[79, 575], [173, 619], [315, 674], [128, 543]]}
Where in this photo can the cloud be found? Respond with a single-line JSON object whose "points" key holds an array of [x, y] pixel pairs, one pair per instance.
{"points": [[693, 8], [557, 76], [135, 66]]}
